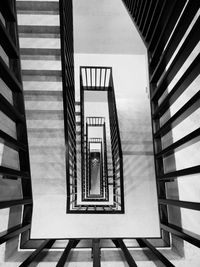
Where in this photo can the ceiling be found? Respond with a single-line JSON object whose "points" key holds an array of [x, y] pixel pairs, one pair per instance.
{"points": [[104, 27]]}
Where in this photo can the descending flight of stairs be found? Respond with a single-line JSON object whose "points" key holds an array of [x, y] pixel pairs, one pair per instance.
{"points": [[39, 37]]}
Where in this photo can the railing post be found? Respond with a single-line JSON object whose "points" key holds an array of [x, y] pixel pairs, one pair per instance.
{"points": [[96, 252]]}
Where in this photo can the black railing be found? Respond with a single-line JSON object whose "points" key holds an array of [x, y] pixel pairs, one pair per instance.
{"points": [[95, 78], [116, 205], [67, 57], [171, 33], [117, 157], [104, 195], [105, 151], [92, 122], [12, 108]]}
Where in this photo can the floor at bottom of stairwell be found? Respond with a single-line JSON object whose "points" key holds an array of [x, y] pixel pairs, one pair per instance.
{"points": [[139, 220]]}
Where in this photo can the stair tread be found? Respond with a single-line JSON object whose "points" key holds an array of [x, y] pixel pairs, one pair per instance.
{"points": [[39, 35], [40, 41], [39, 93], [37, 6], [39, 29], [40, 51], [42, 86], [42, 72], [42, 75]]}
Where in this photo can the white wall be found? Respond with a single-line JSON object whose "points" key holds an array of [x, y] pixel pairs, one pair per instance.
{"points": [[104, 27]]}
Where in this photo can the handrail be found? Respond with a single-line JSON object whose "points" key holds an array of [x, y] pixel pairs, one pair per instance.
{"points": [[67, 58], [95, 77], [117, 156]]}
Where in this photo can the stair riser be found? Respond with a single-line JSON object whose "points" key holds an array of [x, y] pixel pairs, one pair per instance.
{"points": [[42, 86]]}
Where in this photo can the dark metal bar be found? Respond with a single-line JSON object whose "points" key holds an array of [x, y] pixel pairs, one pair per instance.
{"points": [[182, 26], [97, 88], [167, 25], [159, 22], [179, 203], [86, 79], [13, 173], [13, 232], [133, 7], [11, 203], [8, 77], [100, 77], [148, 17], [72, 243], [127, 254], [90, 76], [11, 142], [153, 20], [183, 172], [144, 243], [105, 78], [136, 8], [191, 106], [7, 10], [7, 42], [182, 233], [187, 140], [96, 253], [9, 110], [143, 15], [46, 244], [140, 5], [186, 79], [183, 53], [95, 77]]}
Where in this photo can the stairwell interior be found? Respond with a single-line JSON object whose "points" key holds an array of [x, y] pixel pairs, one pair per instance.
{"points": [[147, 207]]}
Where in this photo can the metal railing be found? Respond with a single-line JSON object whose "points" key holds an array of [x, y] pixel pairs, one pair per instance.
{"points": [[170, 31], [67, 57], [95, 78], [13, 109], [117, 157]]}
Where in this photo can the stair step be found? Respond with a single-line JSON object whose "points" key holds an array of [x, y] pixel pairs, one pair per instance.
{"points": [[40, 42], [43, 105], [41, 64], [41, 75], [42, 86], [43, 95], [44, 114], [39, 35], [40, 29], [39, 7], [42, 20], [41, 57], [39, 52]]}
